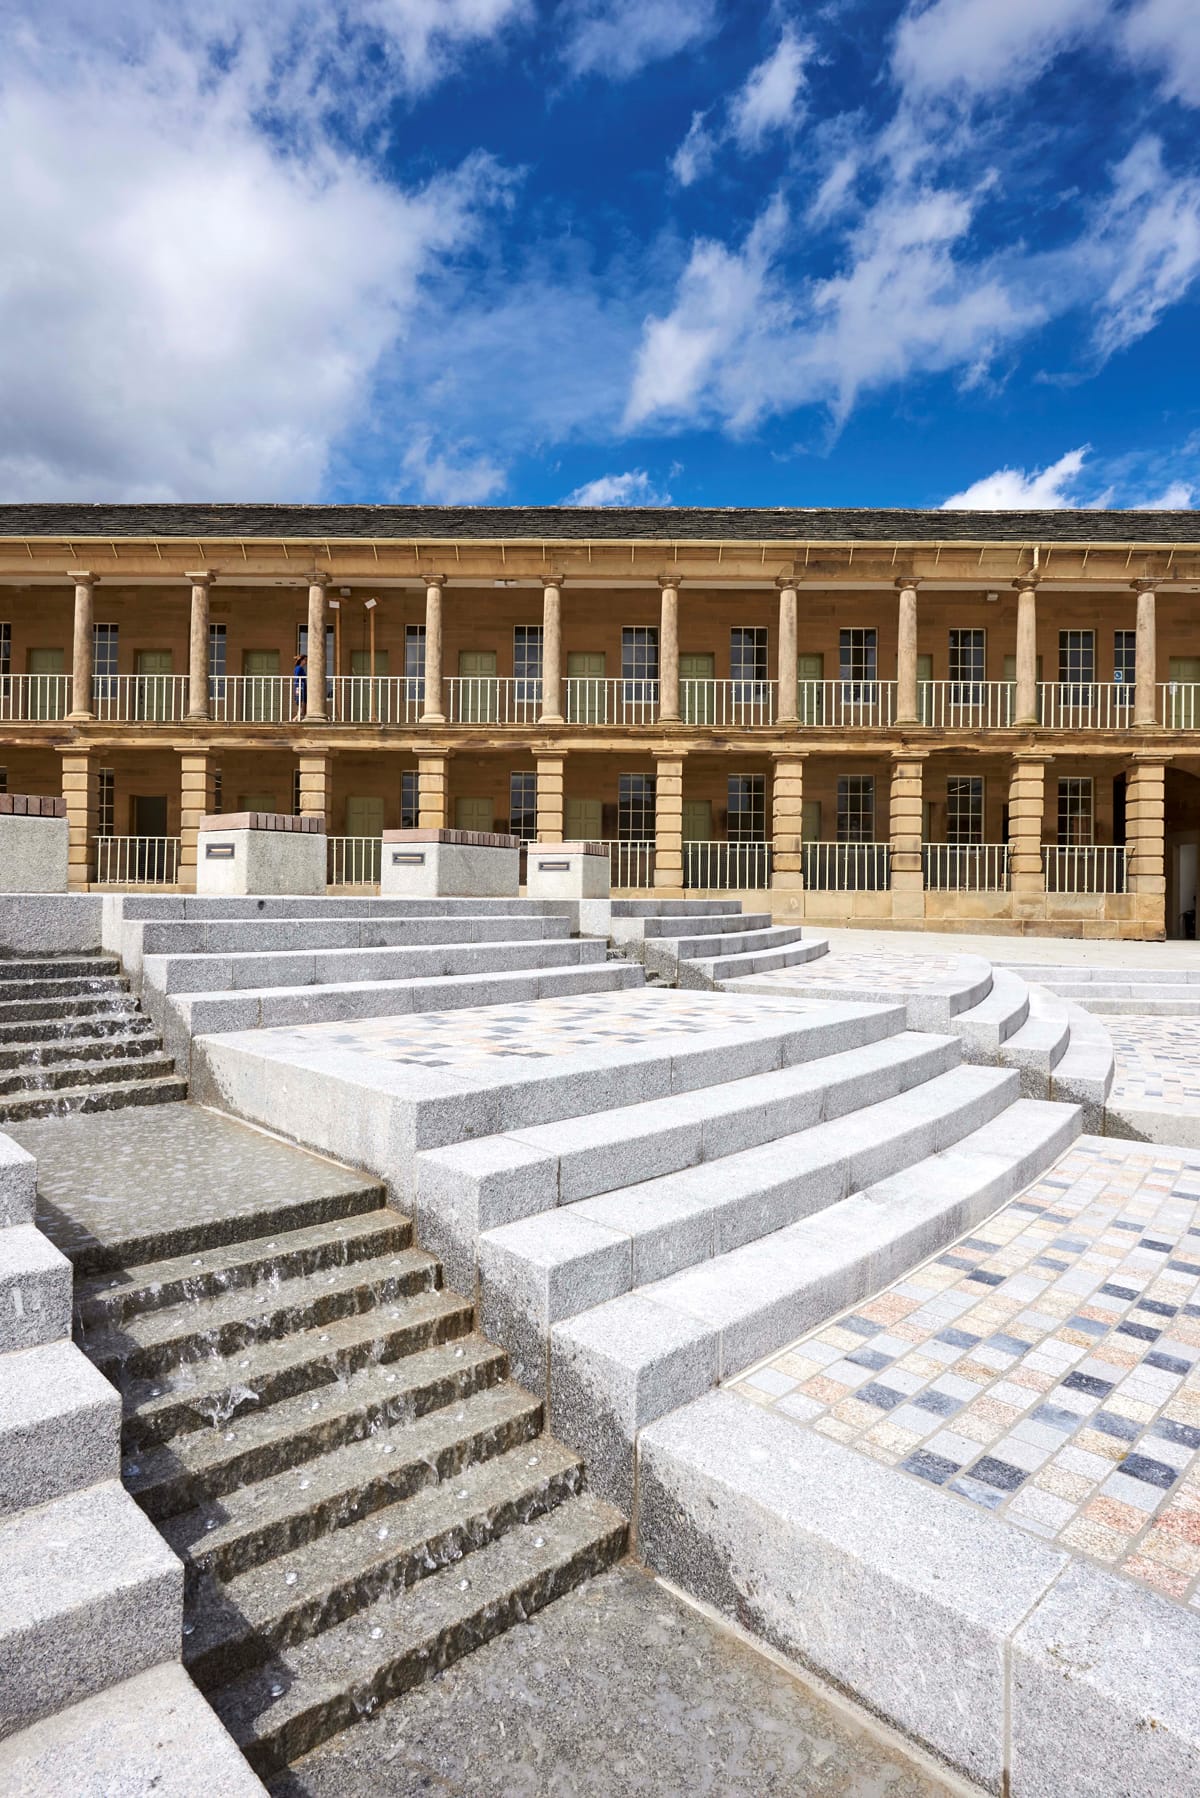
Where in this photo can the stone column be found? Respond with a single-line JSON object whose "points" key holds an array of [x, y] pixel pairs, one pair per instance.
{"points": [[668, 652], [552, 712], [433, 712], [83, 651], [906, 653], [79, 793], [314, 786], [1145, 694], [789, 648], [195, 802], [550, 804], [1145, 829], [668, 822], [1027, 682], [787, 822], [315, 708], [433, 792], [197, 710], [906, 834], [1026, 809]]}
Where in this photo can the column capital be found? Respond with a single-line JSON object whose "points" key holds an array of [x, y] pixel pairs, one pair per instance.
{"points": [[1032, 757], [782, 756], [554, 580], [907, 583], [318, 579], [201, 577], [903, 754], [434, 580], [82, 577], [1151, 758], [671, 580], [787, 582], [1148, 584], [1025, 583]]}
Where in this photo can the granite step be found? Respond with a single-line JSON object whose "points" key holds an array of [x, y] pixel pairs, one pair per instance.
{"points": [[704, 946], [108, 1299], [986, 1026], [205, 1394], [685, 924], [69, 1027], [80, 986], [289, 935], [112, 1002], [82, 1048], [281, 1512], [161, 1090], [231, 973], [676, 908], [58, 1426], [151, 1344], [766, 960], [238, 1624], [56, 967], [317, 1688], [34, 1077], [198, 1466]]}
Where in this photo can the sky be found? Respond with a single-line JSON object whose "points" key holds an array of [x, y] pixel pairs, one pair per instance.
{"points": [[601, 252]]}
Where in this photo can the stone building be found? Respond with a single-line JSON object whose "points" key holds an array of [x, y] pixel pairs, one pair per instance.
{"points": [[963, 718]]}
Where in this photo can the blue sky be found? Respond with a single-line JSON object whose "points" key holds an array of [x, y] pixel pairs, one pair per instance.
{"points": [[704, 252]]}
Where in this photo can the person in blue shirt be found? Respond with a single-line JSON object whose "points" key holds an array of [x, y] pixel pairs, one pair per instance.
{"points": [[300, 682]]}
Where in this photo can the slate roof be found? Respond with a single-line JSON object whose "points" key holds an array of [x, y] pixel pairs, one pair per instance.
{"points": [[560, 523]]}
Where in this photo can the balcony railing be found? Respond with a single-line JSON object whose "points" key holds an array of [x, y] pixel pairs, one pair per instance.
{"points": [[382, 699], [847, 867], [472, 699], [353, 861], [1179, 705], [31, 698], [737, 704], [631, 864], [846, 704], [965, 867], [967, 704], [1084, 868], [137, 861], [254, 699], [723, 866], [140, 698], [1072, 705], [588, 700]]}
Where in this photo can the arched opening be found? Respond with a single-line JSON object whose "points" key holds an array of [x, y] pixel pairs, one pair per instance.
{"points": [[1182, 845]]}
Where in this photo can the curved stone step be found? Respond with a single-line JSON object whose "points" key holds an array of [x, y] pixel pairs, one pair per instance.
{"points": [[315, 1689], [1084, 1074], [986, 1026], [233, 973], [682, 925], [1036, 1049], [722, 969]]}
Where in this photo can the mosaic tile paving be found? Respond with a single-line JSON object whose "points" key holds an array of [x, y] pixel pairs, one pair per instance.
{"points": [[1046, 1368], [542, 1029], [872, 970], [1157, 1059]]}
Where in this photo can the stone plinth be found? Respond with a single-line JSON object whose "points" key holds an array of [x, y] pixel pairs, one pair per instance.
{"points": [[263, 854], [34, 841], [579, 873], [449, 864]]}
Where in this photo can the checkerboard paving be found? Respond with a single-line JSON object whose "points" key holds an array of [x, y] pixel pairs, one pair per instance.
{"points": [[1046, 1367], [542, 1029], [1156, 1059]]}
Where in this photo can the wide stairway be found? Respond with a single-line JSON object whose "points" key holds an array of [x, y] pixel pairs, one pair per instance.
{"points": [[358, 1491], [73, 1038], [1118, 992], [702, 943]]}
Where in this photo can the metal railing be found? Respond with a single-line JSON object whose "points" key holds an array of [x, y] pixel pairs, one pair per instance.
{"points": [[846, 704], [353, 861], [31, 698], [378, 699], [1179, 705], [723, 866], [631, 864], [140, 698], [741, 704], [1084, 868], [593, 700], [137, 861], [482, 699], [965, 867], [967, 704], [1072, 705], [254, 699], [847, 867]]}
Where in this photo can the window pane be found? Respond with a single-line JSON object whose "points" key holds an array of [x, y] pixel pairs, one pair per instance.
{"points": [[748, 653], [857, 655], [1125, 665], [104, 648], [747, 822], [217, 648], [856, 808], [639, 653], [5, 648], [967, 653], [522, 806], [964, 809], [1075, 824], [105, 802], [527, 652], [635, 808], [410, 799], [1077, 657]]}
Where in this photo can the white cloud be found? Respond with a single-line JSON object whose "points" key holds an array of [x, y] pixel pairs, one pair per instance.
{"points": [[1165, 35], [696, 154], [1020, 490], [634, 488], [768, 100], [1143, 248], [465, 480], [620, 38], [968, 48], [1177, 497]]}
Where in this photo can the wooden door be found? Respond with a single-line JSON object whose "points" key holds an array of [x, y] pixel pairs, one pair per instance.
{"points": [[474, 813], [263, 703], [46, 694], [586, 694], [583, 820], [696, 694], [697, 820], [1183, 672], [810, 692], [477, 693], [153, 666]]}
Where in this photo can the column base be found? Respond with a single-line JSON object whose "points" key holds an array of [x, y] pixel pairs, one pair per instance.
{"points": [[551, 718], [433, 718]]}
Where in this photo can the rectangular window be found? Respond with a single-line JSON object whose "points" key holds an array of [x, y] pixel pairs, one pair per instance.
{"points": [[3, 780], [856, 807], [296, 793], [522, 806], [968, 658], [218, 644], [410, 799], [636, 808], [1075, 816], [527, 652], [217, 791], [414, 663], [639, 652], [857, 661], [1124, 665], [747, 822], [748, 653], [5, 648], [1076, 658], [964, 808], [106, 782], [104, 660]]}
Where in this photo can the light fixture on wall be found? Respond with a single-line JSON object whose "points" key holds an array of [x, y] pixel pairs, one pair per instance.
{"points": [[506, 583], [991, 598]]}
